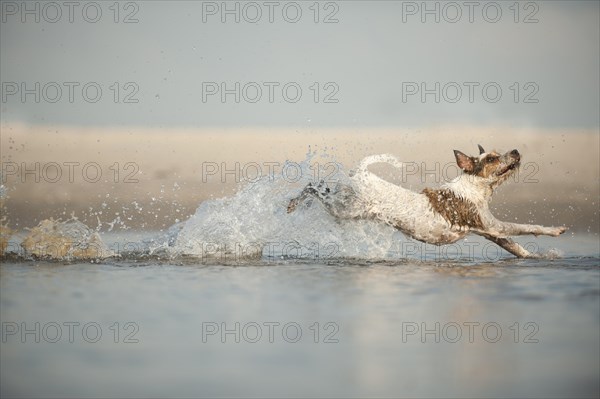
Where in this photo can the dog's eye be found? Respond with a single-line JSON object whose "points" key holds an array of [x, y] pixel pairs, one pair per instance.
{"points": [[491, 159]]}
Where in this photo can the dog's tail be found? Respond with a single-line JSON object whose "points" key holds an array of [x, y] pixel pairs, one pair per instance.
{"points": [[373, 186], [371, 159]]}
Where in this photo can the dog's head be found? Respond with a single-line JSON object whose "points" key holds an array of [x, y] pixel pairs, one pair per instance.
{"points": [[492, 167]]}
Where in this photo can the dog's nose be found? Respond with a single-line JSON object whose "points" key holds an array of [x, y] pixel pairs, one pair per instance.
{"points": [[515, 154]]}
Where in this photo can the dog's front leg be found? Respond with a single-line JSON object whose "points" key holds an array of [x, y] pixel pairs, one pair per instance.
{"points": [[511, 246], [504, 229]]}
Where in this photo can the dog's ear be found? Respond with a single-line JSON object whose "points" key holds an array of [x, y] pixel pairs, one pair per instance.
{"points": [[464, 162], [481, 150]]}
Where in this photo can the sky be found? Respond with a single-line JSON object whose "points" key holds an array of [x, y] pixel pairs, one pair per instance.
{"points": [[165, 64]]}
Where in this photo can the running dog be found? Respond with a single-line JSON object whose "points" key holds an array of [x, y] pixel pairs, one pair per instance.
{"points": [[435, 216]]}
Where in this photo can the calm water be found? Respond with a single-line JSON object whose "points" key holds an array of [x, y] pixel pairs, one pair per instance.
{"points": [[505, 327]]}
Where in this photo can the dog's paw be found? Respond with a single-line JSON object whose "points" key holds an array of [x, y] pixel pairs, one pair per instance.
{"points": [[533, 255], [292, 205], [556, 231]]}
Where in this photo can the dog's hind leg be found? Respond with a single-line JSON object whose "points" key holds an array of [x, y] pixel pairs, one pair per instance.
{"points": [[512, 247], [309, 191], [340, 202]]}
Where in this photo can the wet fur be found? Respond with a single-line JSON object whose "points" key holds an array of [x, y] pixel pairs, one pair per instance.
{"points": [[457, 211], [435, 216]]}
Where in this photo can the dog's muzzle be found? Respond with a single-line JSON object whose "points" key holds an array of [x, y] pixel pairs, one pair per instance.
{"points": [[516, 162], [514, 154]]}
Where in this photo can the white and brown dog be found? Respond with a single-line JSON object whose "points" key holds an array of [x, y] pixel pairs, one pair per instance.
{"points": [[435, 216]]}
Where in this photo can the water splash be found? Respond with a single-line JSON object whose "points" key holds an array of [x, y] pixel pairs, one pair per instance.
{"points": [[255, 220], [70, 239], [5, 232], [552, 253]]}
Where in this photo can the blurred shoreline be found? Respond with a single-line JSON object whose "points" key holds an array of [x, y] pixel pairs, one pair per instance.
{"points": [[143, 178]]}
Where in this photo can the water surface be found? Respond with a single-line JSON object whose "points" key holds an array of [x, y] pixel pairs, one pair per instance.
{"points": [[528, 328]]}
